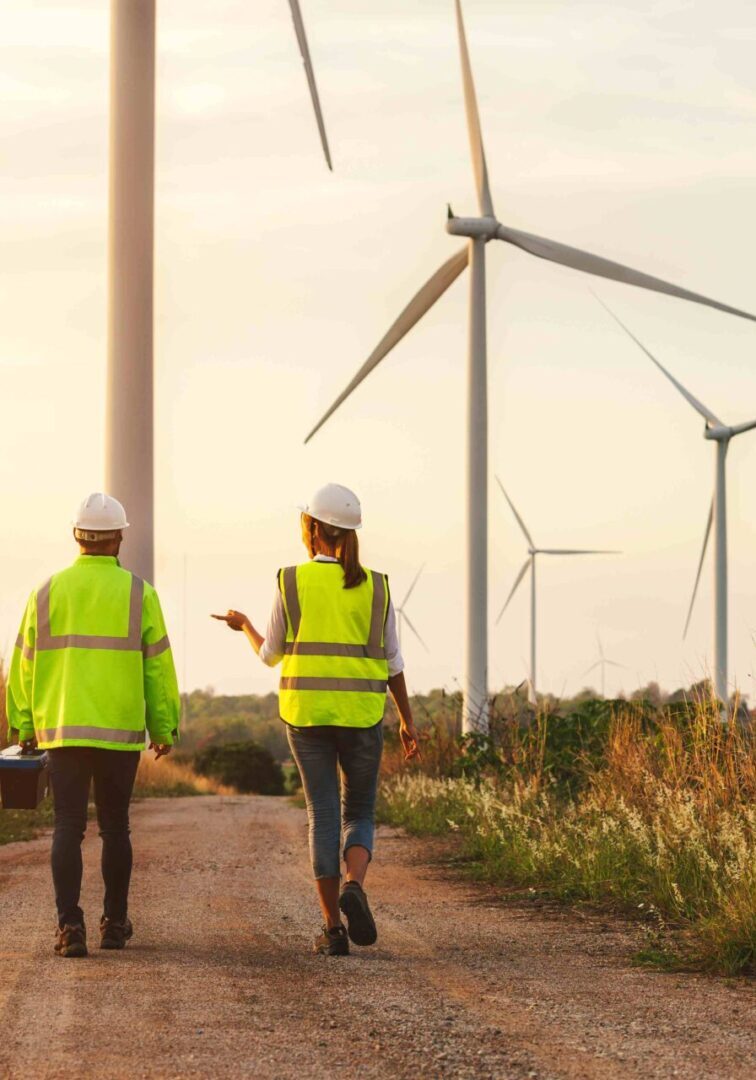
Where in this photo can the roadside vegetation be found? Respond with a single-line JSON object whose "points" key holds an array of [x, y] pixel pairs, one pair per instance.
{"points": [[646, 806]]}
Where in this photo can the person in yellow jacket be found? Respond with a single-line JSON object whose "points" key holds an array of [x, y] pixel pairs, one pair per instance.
{"points": [[333, 628], [92, 675]]}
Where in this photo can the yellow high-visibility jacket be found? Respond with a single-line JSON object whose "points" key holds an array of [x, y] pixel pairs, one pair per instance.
{"points": [[334, 669], [92, 664]]}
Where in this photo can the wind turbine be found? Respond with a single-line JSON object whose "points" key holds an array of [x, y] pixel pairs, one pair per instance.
{"points": [[129, 409], [403, 617], [603, 662], [530, 564], [721, 434], [478, 231]]}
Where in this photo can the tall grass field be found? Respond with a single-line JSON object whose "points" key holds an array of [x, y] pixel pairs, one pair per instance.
{"points": [[654, 816]]}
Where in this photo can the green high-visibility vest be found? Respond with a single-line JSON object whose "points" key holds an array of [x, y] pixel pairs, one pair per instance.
{"points": [[334, 670], [92, 664]]}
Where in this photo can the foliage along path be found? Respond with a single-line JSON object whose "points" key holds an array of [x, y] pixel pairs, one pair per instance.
{"points": [[218, 981]]}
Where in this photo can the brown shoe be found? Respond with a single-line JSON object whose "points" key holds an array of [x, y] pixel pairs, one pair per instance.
{"points": [[71, 940], [333, 942], [113, 934]]}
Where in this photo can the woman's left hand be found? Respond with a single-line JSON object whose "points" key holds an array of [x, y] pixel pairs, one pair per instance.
{"points": [[234, 620]]}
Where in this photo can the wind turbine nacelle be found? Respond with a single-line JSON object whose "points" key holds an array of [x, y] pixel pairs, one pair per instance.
{"points": [[718, 432], [477, 228]]}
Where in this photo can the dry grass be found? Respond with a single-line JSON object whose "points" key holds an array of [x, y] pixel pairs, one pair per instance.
{"points": [[168, 777], [663, 823]]}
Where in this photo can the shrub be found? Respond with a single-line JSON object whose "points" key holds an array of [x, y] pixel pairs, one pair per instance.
{"points": [[244, 766]]}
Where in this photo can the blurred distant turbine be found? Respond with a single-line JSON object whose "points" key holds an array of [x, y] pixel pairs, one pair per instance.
{"points": [[603, 662], [478, 231], [530, 564], [721, 434], [129, 437], [403, 617]]}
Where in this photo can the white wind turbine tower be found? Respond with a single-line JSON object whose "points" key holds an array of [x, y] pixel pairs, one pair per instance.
{"points": [[478, 231], [129, 409], [603, 662], [403, 617], [530, 565], [721, 434]]}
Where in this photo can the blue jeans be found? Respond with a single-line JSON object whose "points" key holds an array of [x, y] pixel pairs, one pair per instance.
{"points": [[332, 808]]}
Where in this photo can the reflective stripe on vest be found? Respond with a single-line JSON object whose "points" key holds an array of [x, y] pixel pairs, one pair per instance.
{"points": [[26, 650], [90, 731]]}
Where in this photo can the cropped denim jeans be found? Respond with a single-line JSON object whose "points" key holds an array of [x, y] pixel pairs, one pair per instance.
{"points": [[338, 812]]}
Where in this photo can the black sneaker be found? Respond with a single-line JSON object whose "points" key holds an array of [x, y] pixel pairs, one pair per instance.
{"points": [[113, 934], [354, 903], [71, 940], [333, 942]]}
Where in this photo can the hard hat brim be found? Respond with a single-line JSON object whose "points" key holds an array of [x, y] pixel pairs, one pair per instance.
{"points": [[336, 524]]}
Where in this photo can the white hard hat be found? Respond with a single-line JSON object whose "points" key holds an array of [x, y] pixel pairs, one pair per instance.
{"points": [[99, 514], [335, 505]]}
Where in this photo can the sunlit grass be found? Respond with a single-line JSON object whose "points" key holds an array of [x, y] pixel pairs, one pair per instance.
{"points": [[664, 825]]}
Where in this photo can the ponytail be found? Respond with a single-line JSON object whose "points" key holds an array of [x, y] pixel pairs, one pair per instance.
{"points": [[349, 557], [342, 543]]}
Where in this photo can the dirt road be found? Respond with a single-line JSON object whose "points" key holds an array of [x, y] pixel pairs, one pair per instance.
{"points": [[219, 982]]}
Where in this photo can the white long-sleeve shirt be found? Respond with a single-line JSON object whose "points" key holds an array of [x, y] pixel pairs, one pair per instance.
{"points": [[272, 649]]}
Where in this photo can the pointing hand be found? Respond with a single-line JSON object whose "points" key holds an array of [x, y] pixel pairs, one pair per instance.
{"points": [[234, 620]]}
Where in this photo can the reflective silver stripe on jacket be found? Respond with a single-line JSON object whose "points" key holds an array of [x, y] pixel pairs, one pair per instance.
{"points": [[378, 615], [156, 648], [27, 651], [87, 731], [330, 648], [364, 686], [131, 643], [292, 598]]}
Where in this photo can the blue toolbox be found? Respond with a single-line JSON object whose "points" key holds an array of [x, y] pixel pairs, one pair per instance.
{"points": [[23, 778]]}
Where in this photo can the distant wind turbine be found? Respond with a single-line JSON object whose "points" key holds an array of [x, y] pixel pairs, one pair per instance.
{"points": [[478, 231], [721, 434], [603, 662], [403, 617], [530, 564]]}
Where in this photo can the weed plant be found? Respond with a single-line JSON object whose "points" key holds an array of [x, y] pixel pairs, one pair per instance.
{"points": [[650, 811]]}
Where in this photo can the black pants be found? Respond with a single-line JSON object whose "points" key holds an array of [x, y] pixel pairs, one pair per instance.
{"points": [[72, 769]]}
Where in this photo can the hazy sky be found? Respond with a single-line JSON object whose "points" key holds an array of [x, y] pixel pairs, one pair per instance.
{"points": [[625, 128]]}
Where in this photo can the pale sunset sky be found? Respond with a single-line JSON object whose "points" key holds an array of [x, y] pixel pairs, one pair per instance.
{"points": [[624, 128]]}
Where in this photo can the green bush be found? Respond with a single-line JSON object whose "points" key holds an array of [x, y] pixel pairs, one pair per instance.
{"points": [[242, 765]]}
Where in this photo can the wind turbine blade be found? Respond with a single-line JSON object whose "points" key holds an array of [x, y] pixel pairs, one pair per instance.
{"points": [[591, 668], [412, 586], [473, 122], [414, 631], [707, 414], [738, 429], [520, 522], [594, 264], [421, 302], [600, 645], [304, 49], [700, 567], [514, 588], [574, 551], [613, 663]]}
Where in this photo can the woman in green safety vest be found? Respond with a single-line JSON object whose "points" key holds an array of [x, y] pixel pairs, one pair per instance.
{"points": [[333, 629]]}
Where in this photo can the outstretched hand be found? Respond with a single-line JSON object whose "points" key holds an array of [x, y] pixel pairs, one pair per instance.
{"points": [[234, 620]]}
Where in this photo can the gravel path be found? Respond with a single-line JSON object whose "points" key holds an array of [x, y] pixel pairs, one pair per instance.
{"points": [[219, 982]]}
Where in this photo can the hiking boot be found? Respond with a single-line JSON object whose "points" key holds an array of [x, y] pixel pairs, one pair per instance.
{"points": [[360, 922], [71, 940], [333, 942], [114, 934]]}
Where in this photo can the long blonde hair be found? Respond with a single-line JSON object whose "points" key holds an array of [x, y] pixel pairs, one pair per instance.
{"points": [[341, 543]]}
